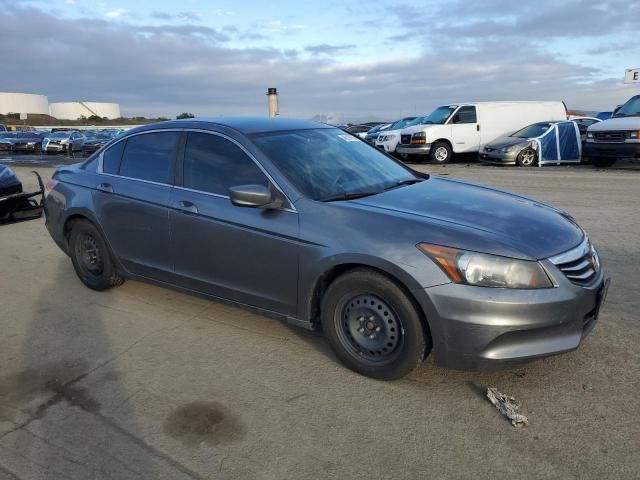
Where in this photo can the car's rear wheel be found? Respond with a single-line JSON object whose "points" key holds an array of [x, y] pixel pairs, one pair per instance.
{"points": [[440, 152], [91, 258], [373, 326], [603, 161], [528, 157]]}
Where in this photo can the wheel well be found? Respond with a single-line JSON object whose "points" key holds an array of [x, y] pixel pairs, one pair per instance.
{"points": [[443, 140], [68, 225], [328, 277]]}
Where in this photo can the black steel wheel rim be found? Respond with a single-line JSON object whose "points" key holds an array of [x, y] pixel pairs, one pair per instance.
{"points": [[368, 327], [90, 254]]}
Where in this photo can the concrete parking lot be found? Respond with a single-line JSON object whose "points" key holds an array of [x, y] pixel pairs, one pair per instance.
{"points": [[143, 382]]}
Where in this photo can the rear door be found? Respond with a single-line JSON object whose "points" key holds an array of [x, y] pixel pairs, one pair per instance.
{"points": [[132, 201], [248, 255], [465, 130]]}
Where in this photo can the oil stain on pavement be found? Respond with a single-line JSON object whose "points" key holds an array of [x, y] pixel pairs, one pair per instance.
{"points": [[209, 423]]}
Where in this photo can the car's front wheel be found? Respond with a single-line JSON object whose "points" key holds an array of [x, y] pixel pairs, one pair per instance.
{"points": [[440, 152], [527, 157], [373, 326], [91, 258]]}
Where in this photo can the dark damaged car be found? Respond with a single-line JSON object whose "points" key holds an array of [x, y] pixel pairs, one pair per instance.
{"points": [[306, 223]]}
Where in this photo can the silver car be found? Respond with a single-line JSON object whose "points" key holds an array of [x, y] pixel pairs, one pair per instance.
{"points": [[63, 142]]}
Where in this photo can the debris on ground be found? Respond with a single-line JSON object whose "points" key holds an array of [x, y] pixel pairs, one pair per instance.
{"points": [[16, 205], [507, 406]]}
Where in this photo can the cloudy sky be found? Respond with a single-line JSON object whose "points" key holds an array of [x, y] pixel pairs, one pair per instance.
{"points": [[357, 60]]}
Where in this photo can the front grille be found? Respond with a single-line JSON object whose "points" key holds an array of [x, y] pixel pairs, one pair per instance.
{"points": [[610, 137], [405, 139], [580, 265]]}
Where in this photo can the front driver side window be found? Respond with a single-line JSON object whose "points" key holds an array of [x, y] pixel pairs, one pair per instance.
{"points": [[214, 164], [466, 115]]}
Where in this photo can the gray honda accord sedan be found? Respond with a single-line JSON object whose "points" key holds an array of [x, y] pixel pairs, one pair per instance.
{"points": [[308, 224]]}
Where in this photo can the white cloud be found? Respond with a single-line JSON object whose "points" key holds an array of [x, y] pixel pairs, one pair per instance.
{"points": [[116, 13]]}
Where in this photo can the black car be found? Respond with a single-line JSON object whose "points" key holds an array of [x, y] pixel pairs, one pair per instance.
{"points": [[27, 141]]}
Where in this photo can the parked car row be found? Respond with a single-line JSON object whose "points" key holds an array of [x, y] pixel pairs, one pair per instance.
{"points": [[57, 141], [512, 133]]}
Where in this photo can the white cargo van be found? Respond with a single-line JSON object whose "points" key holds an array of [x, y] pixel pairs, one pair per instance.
{"points": [[467, 127]]}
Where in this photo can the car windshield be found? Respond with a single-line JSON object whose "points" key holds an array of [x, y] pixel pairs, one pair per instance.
{"points": [[416, 121], [325, 164], [532, 131], [60, 135], [440, 115], [400, 124], [629, 109]]}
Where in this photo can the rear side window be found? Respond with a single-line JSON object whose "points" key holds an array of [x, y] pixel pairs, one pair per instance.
{"points": [[213, 164], [149, 156], [466, 115], [111, 158]]}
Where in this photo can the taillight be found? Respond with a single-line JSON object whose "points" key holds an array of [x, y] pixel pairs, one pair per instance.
{"points": [[51, 184]]}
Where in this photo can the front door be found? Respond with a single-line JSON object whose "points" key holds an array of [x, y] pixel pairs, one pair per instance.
{"points": [[132, 201], [465, 130], [248, 255]]}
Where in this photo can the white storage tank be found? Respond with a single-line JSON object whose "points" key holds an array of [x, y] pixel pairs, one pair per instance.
{"points": [[23, 103], [75, 110]]}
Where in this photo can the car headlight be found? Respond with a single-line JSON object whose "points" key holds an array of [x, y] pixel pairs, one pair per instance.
{"points": [[635, 135], [510, 149], [419, 138], [31, 143], [64, 141], [589, 134], [484, 270]]}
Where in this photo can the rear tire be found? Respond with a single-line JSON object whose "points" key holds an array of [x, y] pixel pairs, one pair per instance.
{"points": [[603, 161], [91, 258], [373, 326], [440, 153]]}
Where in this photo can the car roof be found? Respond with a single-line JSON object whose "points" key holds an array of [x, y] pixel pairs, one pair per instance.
{"points": [[245, 125]]}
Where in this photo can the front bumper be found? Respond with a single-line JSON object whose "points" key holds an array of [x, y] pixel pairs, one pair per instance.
{"points": [[609, 150], [57, 147], [414, 149], [475, 328], [389, 147], [498, 158]]}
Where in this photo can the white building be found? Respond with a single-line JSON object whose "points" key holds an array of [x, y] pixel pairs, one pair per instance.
{"points": [[39, 104], [23, 103], [75, 110]]}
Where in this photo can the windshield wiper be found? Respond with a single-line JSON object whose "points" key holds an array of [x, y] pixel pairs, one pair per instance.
{"points": [[402, 183], [347, 196]]}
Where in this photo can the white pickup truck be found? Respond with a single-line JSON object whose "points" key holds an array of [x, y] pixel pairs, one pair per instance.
{"points": [[468, 127], [616, 138]]}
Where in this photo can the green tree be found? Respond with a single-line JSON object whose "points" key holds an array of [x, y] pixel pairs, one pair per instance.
{"points": [[185, 115]]}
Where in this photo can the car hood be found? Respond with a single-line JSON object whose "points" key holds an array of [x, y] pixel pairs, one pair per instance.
{"points": [[420, 128], [478, 218], [622, 123], [504, 142]]}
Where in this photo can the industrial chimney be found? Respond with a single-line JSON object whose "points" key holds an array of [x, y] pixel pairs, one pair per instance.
{"points": [[272, 94]]}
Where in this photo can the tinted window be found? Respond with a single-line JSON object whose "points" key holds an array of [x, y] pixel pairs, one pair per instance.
{"points": [[532, 131], [111, 158], [149, 156], [466, 115], [214, 164]]}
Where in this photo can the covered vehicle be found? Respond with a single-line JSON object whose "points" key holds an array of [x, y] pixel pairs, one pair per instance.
{"points": [[63, 141], [16, 205], [537, 144], [30, 141]]}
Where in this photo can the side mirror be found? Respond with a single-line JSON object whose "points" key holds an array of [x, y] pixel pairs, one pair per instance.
{"points": [[254, 196]]}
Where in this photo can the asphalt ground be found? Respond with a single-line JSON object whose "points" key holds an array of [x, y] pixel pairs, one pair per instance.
{"points": [[145, 382]]}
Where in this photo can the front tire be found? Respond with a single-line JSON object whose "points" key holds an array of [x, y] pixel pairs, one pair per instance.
{"points": [[373, 326], [91, 257], [527, 157], [440, 153]]}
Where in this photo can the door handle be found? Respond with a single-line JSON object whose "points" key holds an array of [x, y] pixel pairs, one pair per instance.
{"points": [[105, 187], [478, 127], [187, 206]]}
